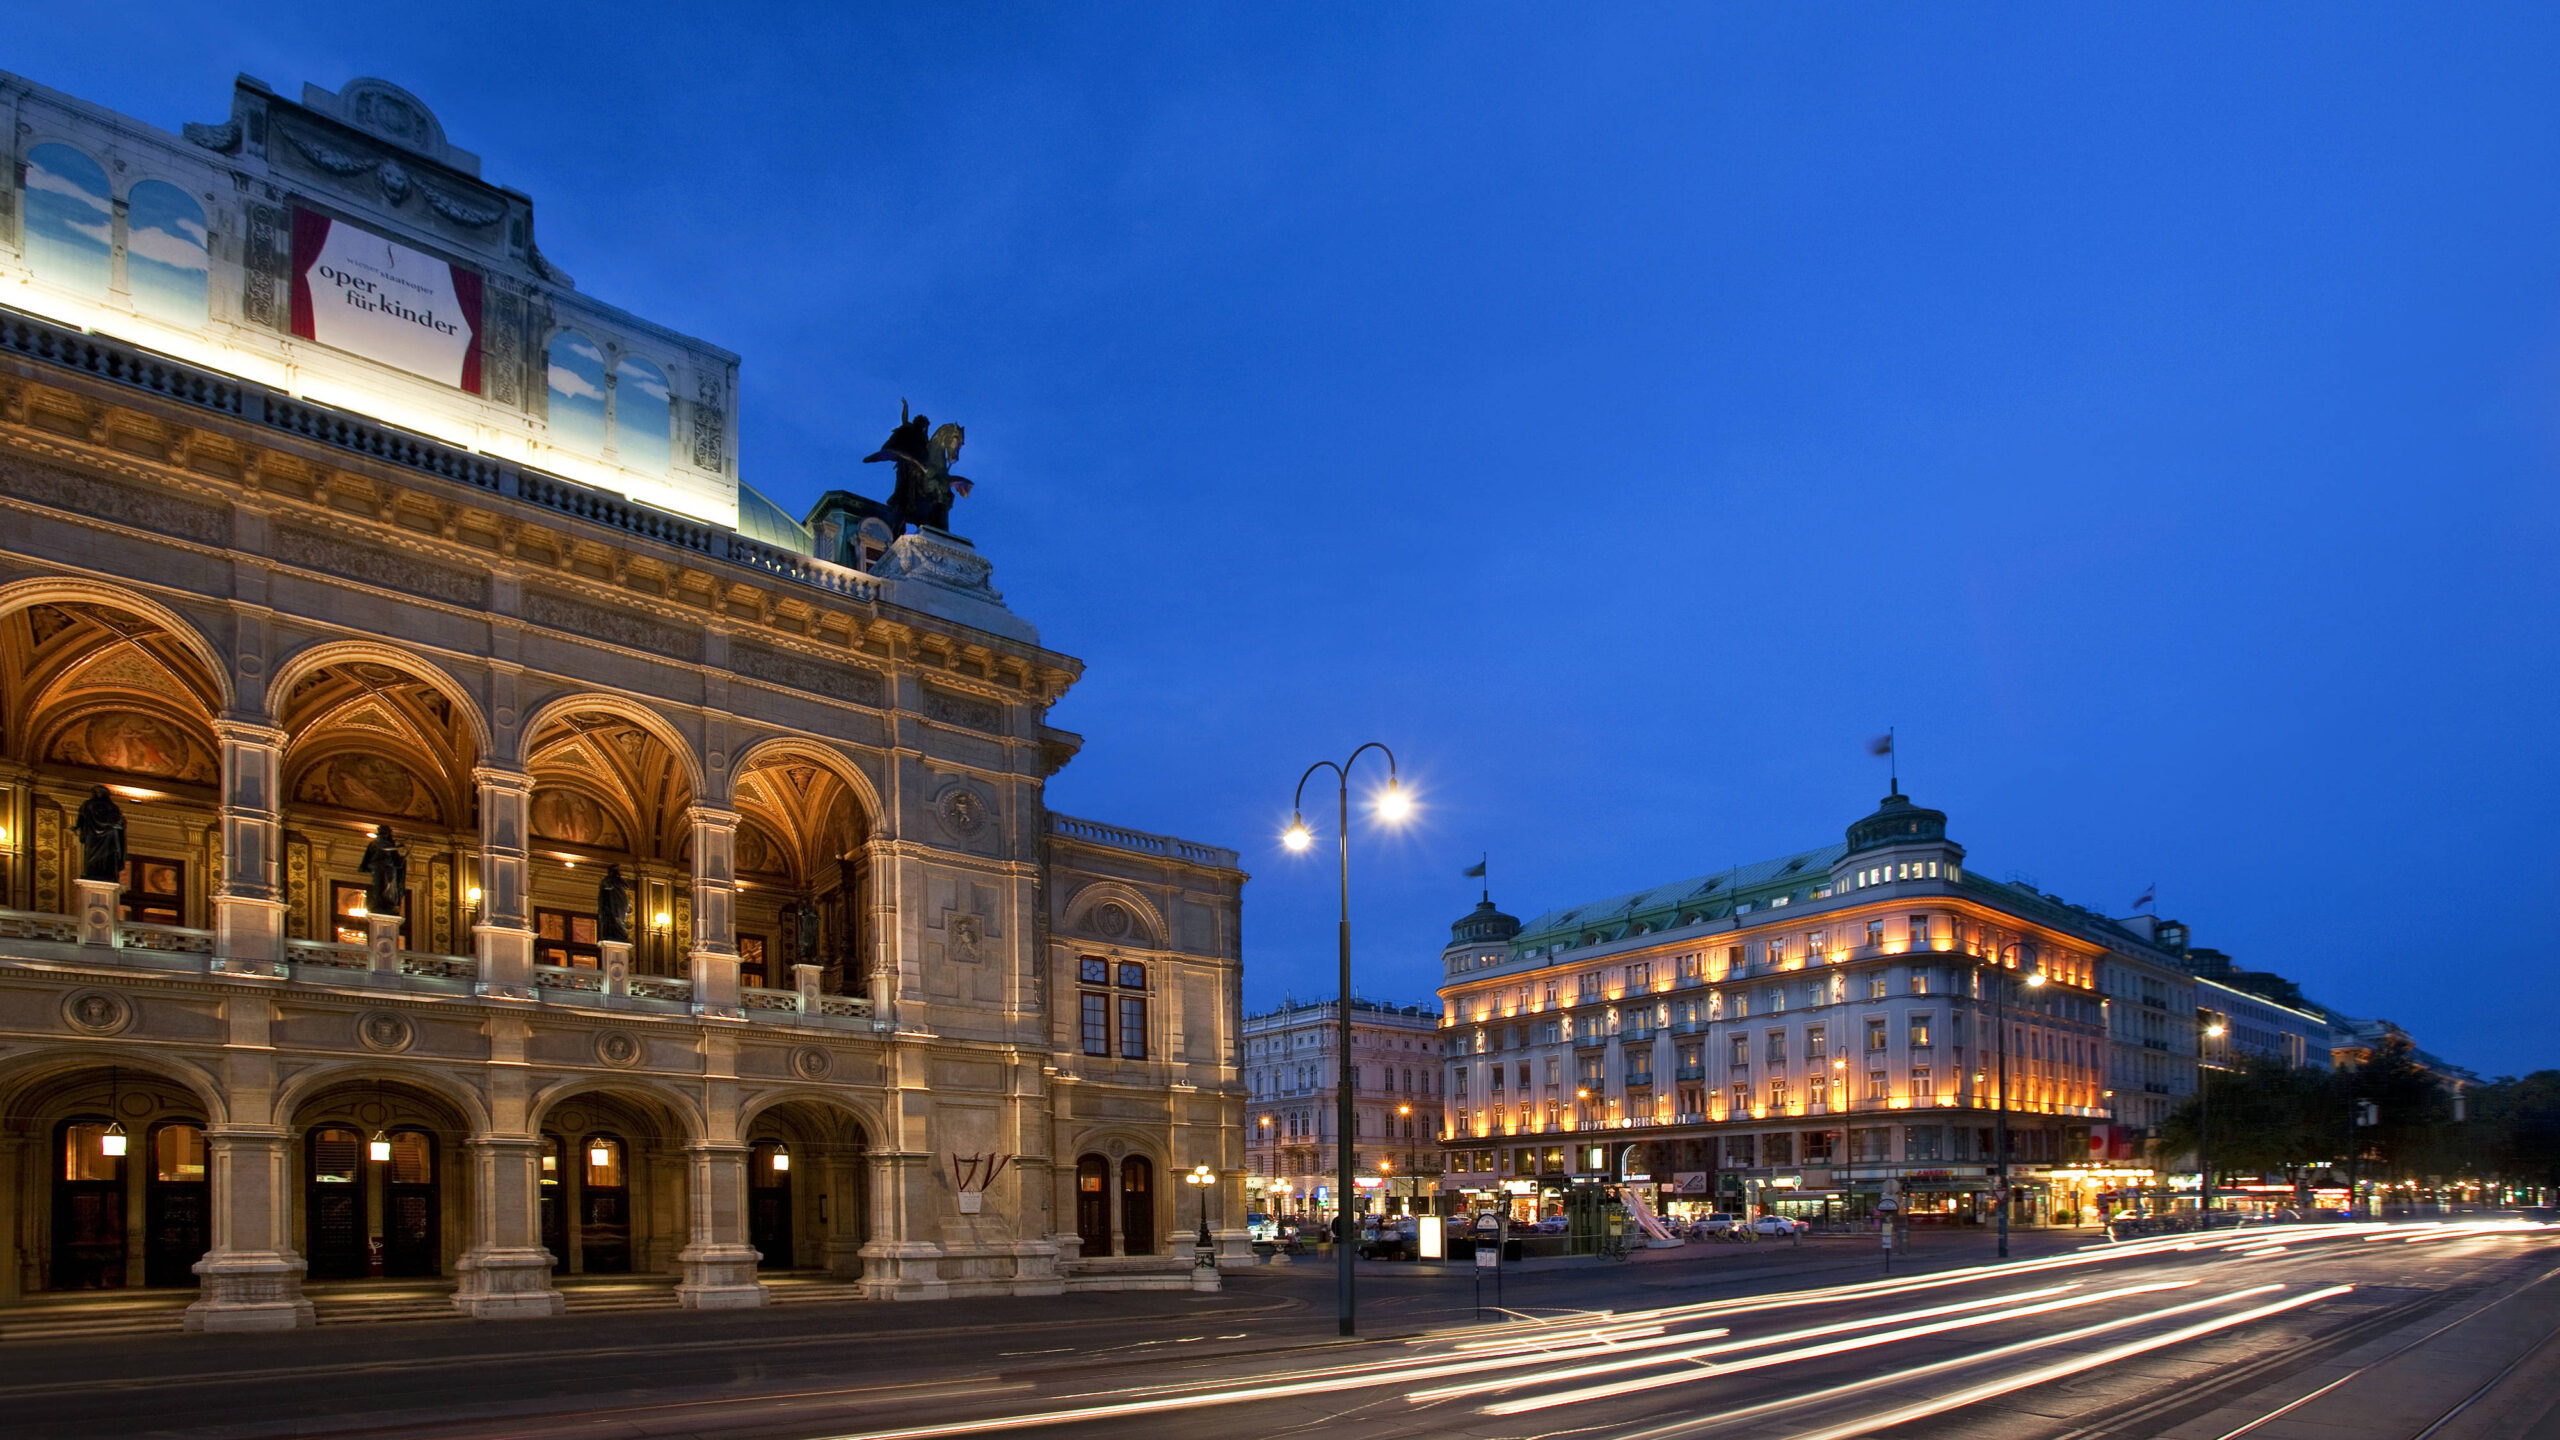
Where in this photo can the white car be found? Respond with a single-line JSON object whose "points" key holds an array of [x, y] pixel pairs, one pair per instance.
{"points": [[1710, 1225], [1776, 1225]]}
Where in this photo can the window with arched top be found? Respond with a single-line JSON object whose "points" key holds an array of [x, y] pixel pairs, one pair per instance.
{"points": [[165, 263], [643, 415], [70, 227], [577, 392]]}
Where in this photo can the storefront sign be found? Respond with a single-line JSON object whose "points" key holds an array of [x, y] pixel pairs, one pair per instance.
{"points": [[355, 291]]}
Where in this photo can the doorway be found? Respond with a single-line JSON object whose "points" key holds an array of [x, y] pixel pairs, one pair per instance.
{"points": [[769, 1203], [1137, 1206], [555, 1204], [88, 1206], [333, 1218], [177, 1206], [604, 1207], [1093, 1205], [412, 1240]]}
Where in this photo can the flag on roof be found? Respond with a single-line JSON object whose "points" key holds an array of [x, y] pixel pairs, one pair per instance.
{"points": [[1881, 745], [2149, 893], [1475, 871]]}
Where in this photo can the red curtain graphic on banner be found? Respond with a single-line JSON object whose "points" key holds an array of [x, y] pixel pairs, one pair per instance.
{"points": [[355, 291]]}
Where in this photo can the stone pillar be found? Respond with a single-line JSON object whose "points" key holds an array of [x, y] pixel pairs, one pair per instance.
{"points": [[719, 1265], [98, 911], [713, 962], [805, 980], [14, 1185], [503, 936], [614, 959], [251, 1277], [382, 947], [248, 900], [506, 1274], [899, 1264]]}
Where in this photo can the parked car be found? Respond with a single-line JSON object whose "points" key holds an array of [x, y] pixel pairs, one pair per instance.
{"points": [[1776, 1225], [1553, 1225], [1713, 1224]]}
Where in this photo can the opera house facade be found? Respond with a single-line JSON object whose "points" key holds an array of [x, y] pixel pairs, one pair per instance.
{"points": [[534, 854]]}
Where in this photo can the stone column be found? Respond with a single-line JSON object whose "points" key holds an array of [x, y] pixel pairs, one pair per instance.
{"points": [[382, 947], [248, 901], [713, 961], [252, 1276], [719, 1265], [506, 1274], [503, 936]]}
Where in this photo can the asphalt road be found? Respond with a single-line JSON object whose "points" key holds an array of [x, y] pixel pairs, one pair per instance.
{"points": [[2445, 1331]]}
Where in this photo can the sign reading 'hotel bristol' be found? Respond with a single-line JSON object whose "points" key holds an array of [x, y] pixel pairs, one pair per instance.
{"points": [[356, 291]]}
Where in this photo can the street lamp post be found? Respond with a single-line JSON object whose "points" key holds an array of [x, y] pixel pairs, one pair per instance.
{"points": [[1391, 805], [2204, 1131], [1201, 1177], [2000, 1137], [1412, 1181]]}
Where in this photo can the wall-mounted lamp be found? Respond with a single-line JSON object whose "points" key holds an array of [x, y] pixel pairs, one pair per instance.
{"points": [[661, 921], [471, 896]]}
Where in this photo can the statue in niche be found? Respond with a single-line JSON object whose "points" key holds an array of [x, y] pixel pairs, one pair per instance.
{"points": [[100, 825], [386, 870], [926, 486], [807, 927], [613, 906]]}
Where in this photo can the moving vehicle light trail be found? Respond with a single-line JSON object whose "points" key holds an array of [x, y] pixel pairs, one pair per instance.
{"points": [[1628, 1353]]}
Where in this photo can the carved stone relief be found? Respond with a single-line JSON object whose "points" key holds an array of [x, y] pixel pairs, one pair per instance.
{"points": [[968, 710], [618, 1048], [387, 568], [853, 683], [96, 1012], [385, 1031]]}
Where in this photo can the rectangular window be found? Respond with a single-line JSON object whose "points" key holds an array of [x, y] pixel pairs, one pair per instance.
{"points": [[1551, 1074], [1920, 1031], [1817, 1147], [1493, 1079], [1875, 932], [1741, 1098], [1879, 1086], [1816, 944], [1777, 1097], [1738, 1151], [1776, 1050], [1876, 1041], [155, 893], [1133, 1028], [1775, 952], [1590, 1072], [1919, 981], [1097, 1024], [1817, 1044], [751, 966], [1923, 1089], [1133, 976], [1640, 976], [560, 937], [1587, 986], [1923, 1142], [1875, 987], [1639, 1067], [1093, 970], [1871, 1146], [1919, 932], [1550, 1033], [1741, 1047], [1777, 1149]]}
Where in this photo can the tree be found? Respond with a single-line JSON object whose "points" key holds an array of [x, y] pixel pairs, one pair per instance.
{"points": [[2516, 1125], [2261, 1117]]}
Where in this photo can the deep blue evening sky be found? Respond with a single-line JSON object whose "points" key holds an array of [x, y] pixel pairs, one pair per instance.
{"points": [[1625, 415]]}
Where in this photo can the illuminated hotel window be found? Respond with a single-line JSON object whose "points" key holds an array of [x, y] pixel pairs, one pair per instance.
{"points": [[69, 219], [1878, 1087], [1875, 932], [1817, 1044], [1741, 1047], [1875, 1035], [1920, 1030], [1875, 987]]}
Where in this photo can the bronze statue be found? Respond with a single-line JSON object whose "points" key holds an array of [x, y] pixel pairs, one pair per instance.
{"points": [[925, 485], [386, 871], [613, 906], [100, 825], [807, 950]]}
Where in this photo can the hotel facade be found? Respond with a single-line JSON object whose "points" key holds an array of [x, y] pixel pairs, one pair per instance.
{"points": [[1814, 1034], [332, 504], [1292, 1115]]}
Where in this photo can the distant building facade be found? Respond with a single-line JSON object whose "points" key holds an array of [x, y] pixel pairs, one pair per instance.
{"points": [[1815, 1032], [1291, 1075]]}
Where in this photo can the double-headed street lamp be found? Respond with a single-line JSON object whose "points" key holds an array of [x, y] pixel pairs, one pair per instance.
{"points": [[2000, 1024], [1202, 1178], [1412, 1180], [1392, 805]]}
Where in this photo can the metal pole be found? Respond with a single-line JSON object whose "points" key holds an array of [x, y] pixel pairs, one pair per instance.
{"points": [[2204, 1139], [1342, 1065], [2000, 1145]]}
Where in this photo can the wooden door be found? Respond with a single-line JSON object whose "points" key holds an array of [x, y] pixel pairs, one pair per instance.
{"points": [[1093, 1204], [1137, 1206], [88, 1209], [769, 1204], [412, 1234], [604, 1207], [333, 1218], [177, 1207]]}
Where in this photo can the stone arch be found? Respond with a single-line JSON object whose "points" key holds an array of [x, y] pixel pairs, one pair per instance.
{"points": [[300, 1090], [820, 1212], [27, 1075], [771, 747], [862, 1112], [69, 589], [1148, 930], [573, 702], [301, 663], [687, 1123]]}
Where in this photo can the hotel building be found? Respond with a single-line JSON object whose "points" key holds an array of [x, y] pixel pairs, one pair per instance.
{"points": [[1291, 1071], [1812, 1033]]}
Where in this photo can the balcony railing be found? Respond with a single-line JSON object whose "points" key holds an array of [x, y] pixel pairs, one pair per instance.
{"points": [[166, 948]]}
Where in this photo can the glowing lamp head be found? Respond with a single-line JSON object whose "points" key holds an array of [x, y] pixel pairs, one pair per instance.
{"points": [[781, 1159], [2036, 981], [356, 910], [111, 1144], [471, 895], [1393, 803], [2214, 1030], [600, 1154], [661, 920], [378, 1149], [1297, 836]]}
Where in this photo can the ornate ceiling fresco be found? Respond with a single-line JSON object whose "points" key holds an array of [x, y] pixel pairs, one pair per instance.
{"points": [[98, 689]]}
